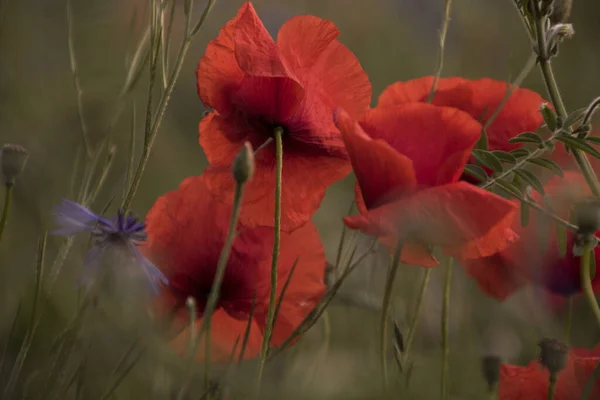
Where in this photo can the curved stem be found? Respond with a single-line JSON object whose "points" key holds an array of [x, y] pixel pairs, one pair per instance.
{"points": [[554, 93], [6, 208], [215, 290], [586, 280], [385, 309], [278, 133], [445, 325], [415, 319]]}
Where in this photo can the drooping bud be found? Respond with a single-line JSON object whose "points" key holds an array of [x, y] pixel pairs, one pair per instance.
{"points": [[490, 368], [243, 165], [587, 215], [553, 355], [14, 159], [549, 117], [558, 33], [561, 11]]}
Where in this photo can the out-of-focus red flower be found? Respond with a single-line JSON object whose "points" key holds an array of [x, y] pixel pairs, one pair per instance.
{"points": [[531, 382], [479, 98], [408, 160], [584, 362], [254, 85], [186, 232], [535, 258]]}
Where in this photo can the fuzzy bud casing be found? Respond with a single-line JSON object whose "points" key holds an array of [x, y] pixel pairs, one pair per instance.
{"points": [[561, 11], [14, 158], [243, 165]]}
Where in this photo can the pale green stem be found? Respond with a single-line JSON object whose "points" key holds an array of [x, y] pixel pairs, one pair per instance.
{"points": [[7, 201], [445, 328], [415, 319], [278, 133], [591, 382], [385, 309], [586, 280], [215, 290]]}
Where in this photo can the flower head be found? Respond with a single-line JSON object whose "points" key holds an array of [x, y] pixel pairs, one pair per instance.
{"points": [[479, 98], [502, 274], [122, 232], [408, 160], [255, 85], [186, 232]]}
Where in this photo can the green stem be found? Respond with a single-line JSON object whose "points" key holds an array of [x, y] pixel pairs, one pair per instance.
{"points": [[493, 393], [445, 325], [415, 319], [162, 106], [552, 387], [591, 382], [554, 93], [586, 280], [278, 133], [568, 320], [6, 208], [385, 309], [215, 290], [440, 65]]}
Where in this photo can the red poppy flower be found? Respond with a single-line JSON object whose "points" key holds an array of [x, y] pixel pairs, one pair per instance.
{"points": [[479, 98], [407, 160], [503, 273], [531, 382], [186, 232], [254, 85]]}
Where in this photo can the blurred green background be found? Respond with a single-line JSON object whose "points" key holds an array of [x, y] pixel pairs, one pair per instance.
{"points": [[393, 39]]}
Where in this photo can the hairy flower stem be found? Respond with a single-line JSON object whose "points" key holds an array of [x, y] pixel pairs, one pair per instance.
{"points": [[552, 387], [591, 382], [6, 208], [278, 133], [568, 320], [415, 319], [445, 324], [586, 279], [215, 290], [442, 38], [385, 310], [555, 97]]}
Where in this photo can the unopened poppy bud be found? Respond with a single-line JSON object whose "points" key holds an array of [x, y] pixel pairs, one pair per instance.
{"points": [[490, 368], [243, 165], [14, 158], [561, 11], [553, 355], [587, 215]]}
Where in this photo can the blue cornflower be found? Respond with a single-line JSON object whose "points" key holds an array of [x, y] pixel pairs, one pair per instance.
{"points": [[121, 232]]}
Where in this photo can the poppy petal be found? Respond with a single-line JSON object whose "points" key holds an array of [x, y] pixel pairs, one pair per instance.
{"points": [[414, 90], [480, 98], [381, 171], [218, 73], [438, 140], [308, 45], [300, 196], [468, 222], [496, 275], [306, 287]]}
